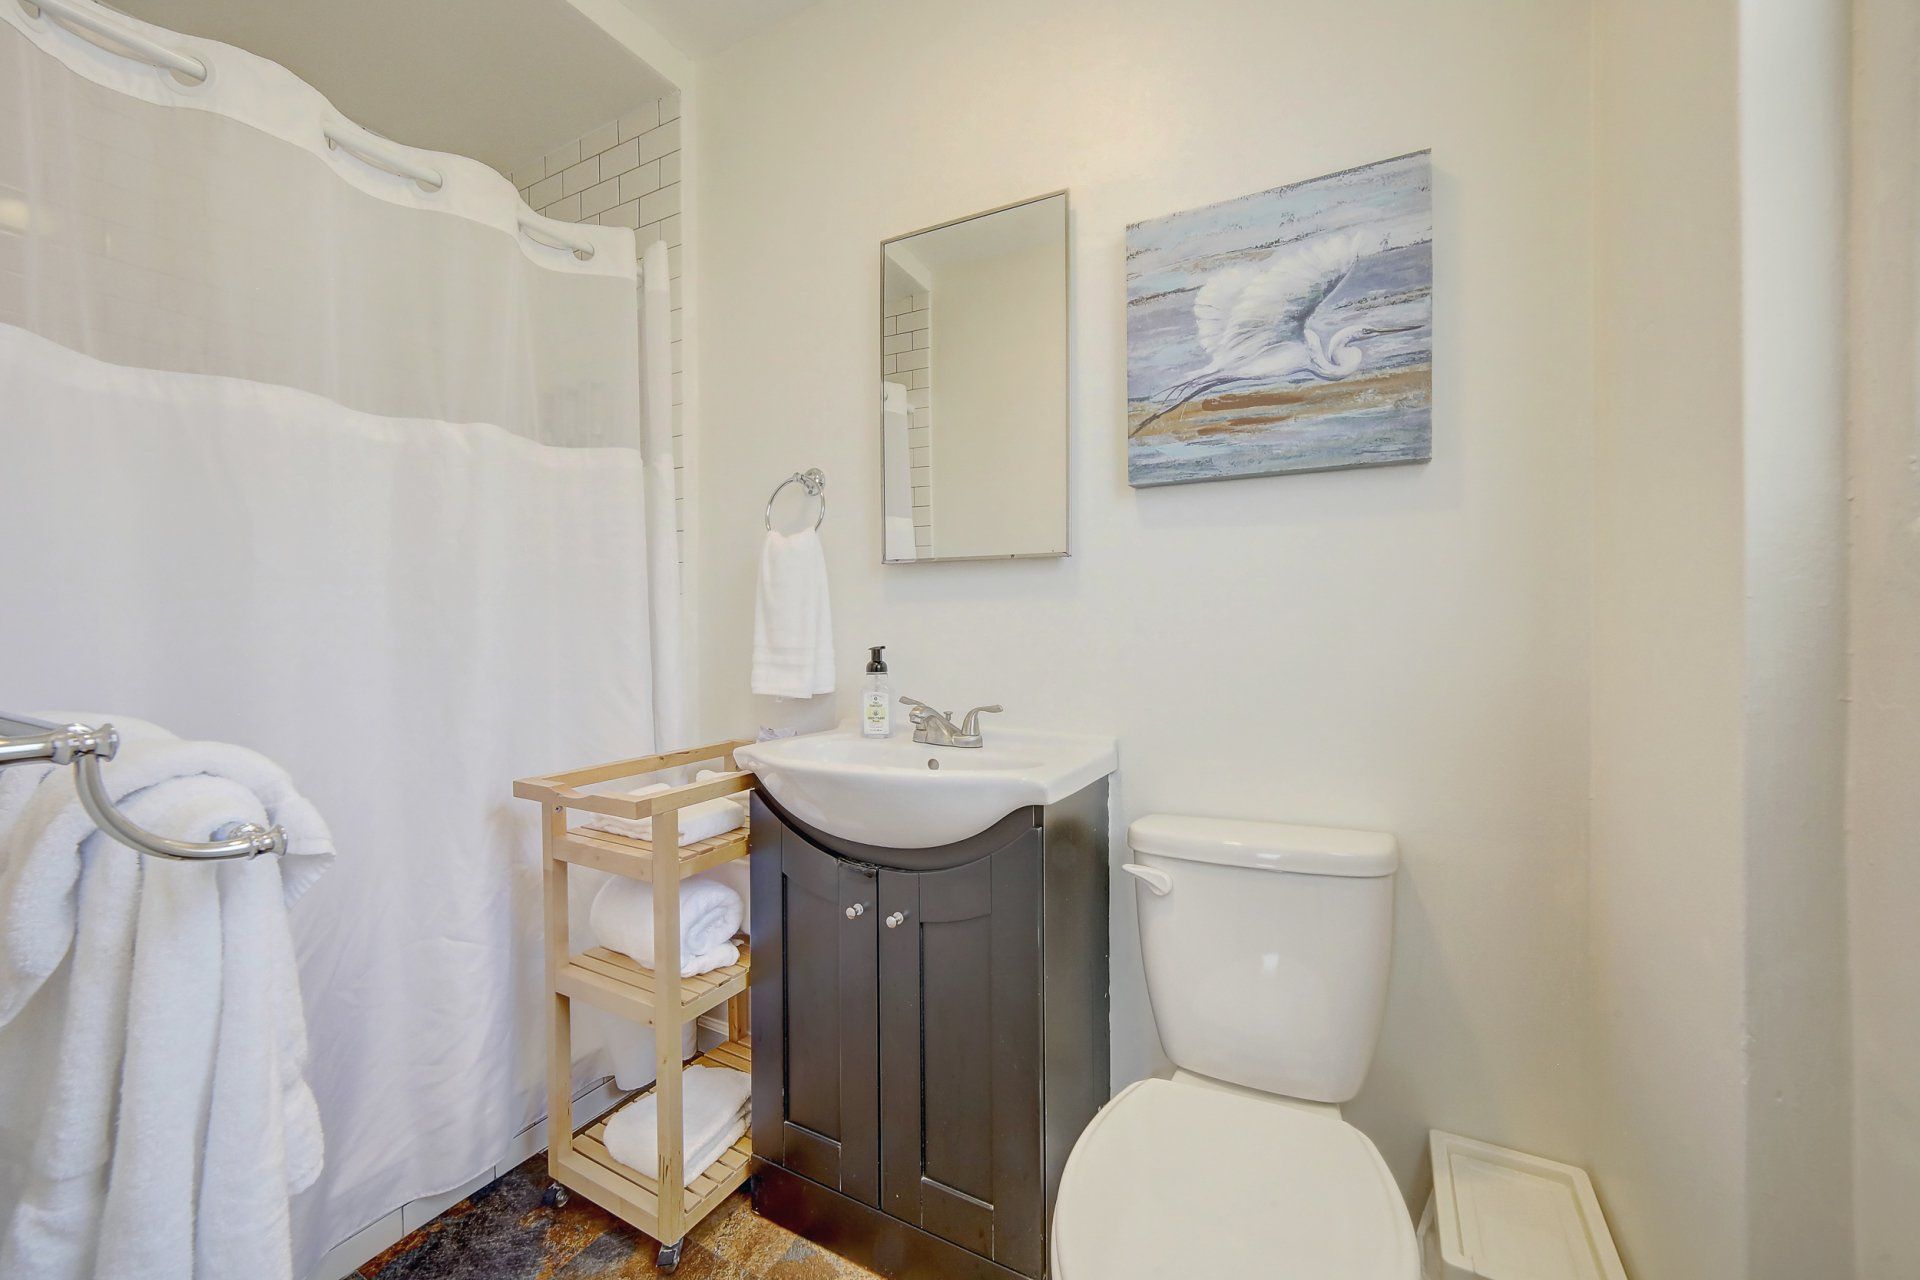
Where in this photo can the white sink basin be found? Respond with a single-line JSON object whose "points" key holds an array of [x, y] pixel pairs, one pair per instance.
{"points": [[898, 794]]}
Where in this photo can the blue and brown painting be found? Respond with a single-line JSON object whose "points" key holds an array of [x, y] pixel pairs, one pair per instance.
{"points": [[1290, 330]]}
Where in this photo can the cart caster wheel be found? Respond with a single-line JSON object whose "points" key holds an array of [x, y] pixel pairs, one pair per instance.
{"points": [[669, 1259], [555, 1196]]}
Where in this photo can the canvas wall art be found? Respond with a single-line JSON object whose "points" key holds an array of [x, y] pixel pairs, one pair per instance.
{"points": [[1291, 330]]}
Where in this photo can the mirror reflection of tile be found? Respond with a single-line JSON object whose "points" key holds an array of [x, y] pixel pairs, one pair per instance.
{"points": [[973, 386]]}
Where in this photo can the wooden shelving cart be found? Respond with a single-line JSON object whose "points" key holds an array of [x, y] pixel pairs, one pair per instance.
{"points": [[577, 1158]]}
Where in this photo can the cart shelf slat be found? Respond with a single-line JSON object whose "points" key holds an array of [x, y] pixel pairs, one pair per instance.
{"points": [[614, 982]]}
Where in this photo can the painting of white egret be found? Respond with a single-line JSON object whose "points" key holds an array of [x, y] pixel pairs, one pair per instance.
{"points": [[1291, 330]]}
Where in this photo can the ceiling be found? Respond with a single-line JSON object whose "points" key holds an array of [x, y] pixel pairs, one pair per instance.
{"points": [[499, 80], [702, 28]]}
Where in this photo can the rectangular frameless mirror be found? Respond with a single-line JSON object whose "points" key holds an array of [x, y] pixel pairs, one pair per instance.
{"points": [[973, 386]]}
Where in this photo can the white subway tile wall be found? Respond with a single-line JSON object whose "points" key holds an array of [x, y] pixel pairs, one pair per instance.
{"points": [[906, 357], [626, 173]]}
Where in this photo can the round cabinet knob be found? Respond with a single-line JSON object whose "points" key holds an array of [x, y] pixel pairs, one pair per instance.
{"points": [[897, 919], [857, 910]]}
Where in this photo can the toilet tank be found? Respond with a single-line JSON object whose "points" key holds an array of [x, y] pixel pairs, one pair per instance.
{"points": [[1266, 949]]}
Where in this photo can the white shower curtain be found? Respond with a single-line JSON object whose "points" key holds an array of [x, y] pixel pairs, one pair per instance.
{"points": [[297, 454]]}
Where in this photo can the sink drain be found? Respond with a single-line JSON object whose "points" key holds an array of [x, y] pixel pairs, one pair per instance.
{"points": [[933, 764]]}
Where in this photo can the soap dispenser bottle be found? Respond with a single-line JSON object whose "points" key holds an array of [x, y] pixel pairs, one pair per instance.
{"points": [[876, 700]]}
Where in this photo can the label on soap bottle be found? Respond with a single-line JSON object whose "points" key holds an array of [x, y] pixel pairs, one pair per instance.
{"points": [[876, 714]]}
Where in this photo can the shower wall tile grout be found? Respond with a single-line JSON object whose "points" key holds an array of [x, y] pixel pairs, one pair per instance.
{"points": [[906, 357]]}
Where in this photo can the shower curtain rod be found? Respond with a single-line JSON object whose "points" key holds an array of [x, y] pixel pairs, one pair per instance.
{"points": [[381, 155], [24, 740], [132, 44], [553, 238]]}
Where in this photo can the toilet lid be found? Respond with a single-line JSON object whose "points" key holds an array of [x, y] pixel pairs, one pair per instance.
{"points": [[1176, 1179]]}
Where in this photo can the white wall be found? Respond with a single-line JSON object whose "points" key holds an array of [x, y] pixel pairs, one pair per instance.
{"points": [[1883, 745], [1001, 468], [1668, 925], [1718, 918], [1403, 648]]}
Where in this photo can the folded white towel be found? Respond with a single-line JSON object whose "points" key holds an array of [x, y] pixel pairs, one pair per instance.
{"points": [[792, 618], [697, 821], [699, 1160], [178, 1120], [710, 914], [713, 1107]]}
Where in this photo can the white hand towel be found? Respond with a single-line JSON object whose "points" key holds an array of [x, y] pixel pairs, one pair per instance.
{"points": [[697, 821], [178, 1119], [792, 618], [710, 914], [899, 537], [713, 1107]]}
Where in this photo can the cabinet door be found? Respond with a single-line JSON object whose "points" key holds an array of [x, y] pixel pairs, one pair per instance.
{"points": [[814, 1006], [960, 1053]]}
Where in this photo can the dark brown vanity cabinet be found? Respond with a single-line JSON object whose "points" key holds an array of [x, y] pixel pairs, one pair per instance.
{"points": [[930, 1035]]}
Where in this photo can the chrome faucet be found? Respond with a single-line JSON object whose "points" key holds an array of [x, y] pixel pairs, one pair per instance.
{"points": [[936, 728]]}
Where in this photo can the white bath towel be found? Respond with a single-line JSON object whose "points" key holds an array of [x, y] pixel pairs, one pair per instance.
{"points": [[710, 914], [697, 821], [176, 1120], [713, 1106], [792, 618]]}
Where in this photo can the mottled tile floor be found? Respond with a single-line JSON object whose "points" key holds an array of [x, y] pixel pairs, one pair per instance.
{"points": [[503, 1232]]}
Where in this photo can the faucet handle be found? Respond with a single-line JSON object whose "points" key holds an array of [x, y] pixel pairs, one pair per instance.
{"points": [[920, 709], [970, 725]]}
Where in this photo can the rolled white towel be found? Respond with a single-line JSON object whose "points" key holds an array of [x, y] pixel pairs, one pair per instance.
{"points": [[697, 821], [713, 1106], [710, 915]]}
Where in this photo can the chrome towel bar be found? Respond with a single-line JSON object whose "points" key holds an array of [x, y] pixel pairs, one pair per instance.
{"points": [[24, 740]]}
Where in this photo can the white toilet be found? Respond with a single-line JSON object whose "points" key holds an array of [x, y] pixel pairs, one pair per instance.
{"points": [[1266, 950]]}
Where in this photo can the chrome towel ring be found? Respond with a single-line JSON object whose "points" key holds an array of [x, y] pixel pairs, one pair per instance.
{"points": [[814, 481]]}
